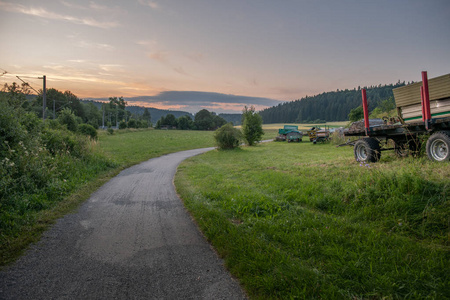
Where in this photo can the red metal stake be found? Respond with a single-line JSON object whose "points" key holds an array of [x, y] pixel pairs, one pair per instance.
{"points": [[426, 98], [365, 110]]}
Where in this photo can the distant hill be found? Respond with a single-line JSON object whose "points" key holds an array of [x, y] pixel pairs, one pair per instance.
{"points": [[329, 106]]}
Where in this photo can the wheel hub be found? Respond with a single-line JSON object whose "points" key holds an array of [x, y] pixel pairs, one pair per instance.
{"points": [[439, 150]]}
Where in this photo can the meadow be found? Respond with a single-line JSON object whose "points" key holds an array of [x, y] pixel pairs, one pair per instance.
{"points": [[298, 220]]}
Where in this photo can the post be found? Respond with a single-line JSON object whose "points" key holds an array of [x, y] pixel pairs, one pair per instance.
{"points": [[423, 103], [426, 98], [44, 96], [366, 111]]}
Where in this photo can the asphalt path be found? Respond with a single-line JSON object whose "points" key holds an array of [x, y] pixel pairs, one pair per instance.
{"points": [[132, 239]]}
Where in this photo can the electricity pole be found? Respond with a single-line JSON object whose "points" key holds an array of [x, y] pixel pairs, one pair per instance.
{"points": [[44, 95]]}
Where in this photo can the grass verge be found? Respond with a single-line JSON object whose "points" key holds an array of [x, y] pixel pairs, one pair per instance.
{"points": [[307, 221]]}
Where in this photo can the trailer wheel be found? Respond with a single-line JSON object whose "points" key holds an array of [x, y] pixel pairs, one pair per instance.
{"points": [[367, 150], [438, 146]]}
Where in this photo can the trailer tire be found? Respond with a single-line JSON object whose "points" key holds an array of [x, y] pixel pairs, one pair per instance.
{"points": [[438, 146], [367, 150]]}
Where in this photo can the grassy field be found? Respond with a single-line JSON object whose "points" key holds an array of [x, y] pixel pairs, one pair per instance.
{"points": [[128, 147], [306, 221]]}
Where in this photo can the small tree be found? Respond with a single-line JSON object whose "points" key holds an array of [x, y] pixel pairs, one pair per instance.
{"points": [[251, 125], [227, 137], [67, 117], [356, 114], [122, 125], [132, 123]]}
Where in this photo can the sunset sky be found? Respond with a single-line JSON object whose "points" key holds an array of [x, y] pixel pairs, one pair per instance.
{"points": [[221, 54]]}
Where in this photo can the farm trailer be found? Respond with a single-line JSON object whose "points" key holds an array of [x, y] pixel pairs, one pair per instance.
{"points": [[289, 133], [423, 109]]}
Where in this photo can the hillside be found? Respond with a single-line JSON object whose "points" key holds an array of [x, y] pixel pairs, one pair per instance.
{"points": [[329, 106]]}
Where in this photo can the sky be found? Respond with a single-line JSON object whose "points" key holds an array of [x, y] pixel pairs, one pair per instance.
{"points": [[220, 55]]}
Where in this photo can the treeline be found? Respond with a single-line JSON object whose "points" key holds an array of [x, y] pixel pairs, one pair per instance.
{"points": [[329, 106], [203, 120], [108, 114]]}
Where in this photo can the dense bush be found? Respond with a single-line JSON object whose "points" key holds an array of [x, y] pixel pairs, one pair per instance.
{"points": [[122, 125], [132, 123], [227, 137], [88, 130], [68, 118], [40, 164]]}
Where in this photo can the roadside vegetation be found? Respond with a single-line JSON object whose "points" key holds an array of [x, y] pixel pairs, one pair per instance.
{"points": [[302, 221]]}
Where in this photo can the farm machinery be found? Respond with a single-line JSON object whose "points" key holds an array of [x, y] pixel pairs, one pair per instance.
{"points": [[423, 109], [289, 133], [317, 134]]}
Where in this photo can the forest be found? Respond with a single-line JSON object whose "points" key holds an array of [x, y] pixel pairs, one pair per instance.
{"points": [[326, 107]]}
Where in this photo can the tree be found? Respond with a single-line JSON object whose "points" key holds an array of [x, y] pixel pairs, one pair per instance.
{"points": [[204, 120], [251, 125], [67, 117], [227, 137], [146, 116], [356, 114], [170, 120], [132, 123], [185, 122], [387, 105]]}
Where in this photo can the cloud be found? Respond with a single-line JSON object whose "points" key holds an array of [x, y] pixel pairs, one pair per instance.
{"points": [[152, 4], [194, 101], [45, 14]]}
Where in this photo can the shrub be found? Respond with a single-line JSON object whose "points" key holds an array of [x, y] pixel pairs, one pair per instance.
{"points": [[110, 131], [88, 129], [132, 123], [64, 142], [227, 137], [143, 124], [67, 117], [122, 125]]}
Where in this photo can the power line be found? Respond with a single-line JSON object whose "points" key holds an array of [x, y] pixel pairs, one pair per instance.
{"points": [[27, 84]]}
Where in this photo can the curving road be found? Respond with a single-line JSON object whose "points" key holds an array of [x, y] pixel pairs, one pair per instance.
{"points": [[133, 239]]}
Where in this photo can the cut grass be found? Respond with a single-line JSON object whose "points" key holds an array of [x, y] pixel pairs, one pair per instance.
{"points": [[128, 147], [307, 221]]}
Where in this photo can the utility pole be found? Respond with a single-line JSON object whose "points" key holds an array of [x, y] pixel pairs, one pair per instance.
{"points": [[44, 96], [103, 118]]}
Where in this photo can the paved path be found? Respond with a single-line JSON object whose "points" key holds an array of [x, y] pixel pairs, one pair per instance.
{"points": [[133, 239]]}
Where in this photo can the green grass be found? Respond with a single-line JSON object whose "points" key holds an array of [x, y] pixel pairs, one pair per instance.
{"points": [[306, 221], [128, 147]]}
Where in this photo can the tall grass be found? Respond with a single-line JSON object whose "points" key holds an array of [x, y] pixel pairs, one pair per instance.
{"points": [[307, 221]]}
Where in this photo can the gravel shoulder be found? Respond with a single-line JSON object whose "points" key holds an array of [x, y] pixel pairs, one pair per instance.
{"points": [[132, 239]]}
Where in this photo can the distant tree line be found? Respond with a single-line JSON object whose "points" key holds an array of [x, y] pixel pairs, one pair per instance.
{"points": [[203, 120], [329, 106]]}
